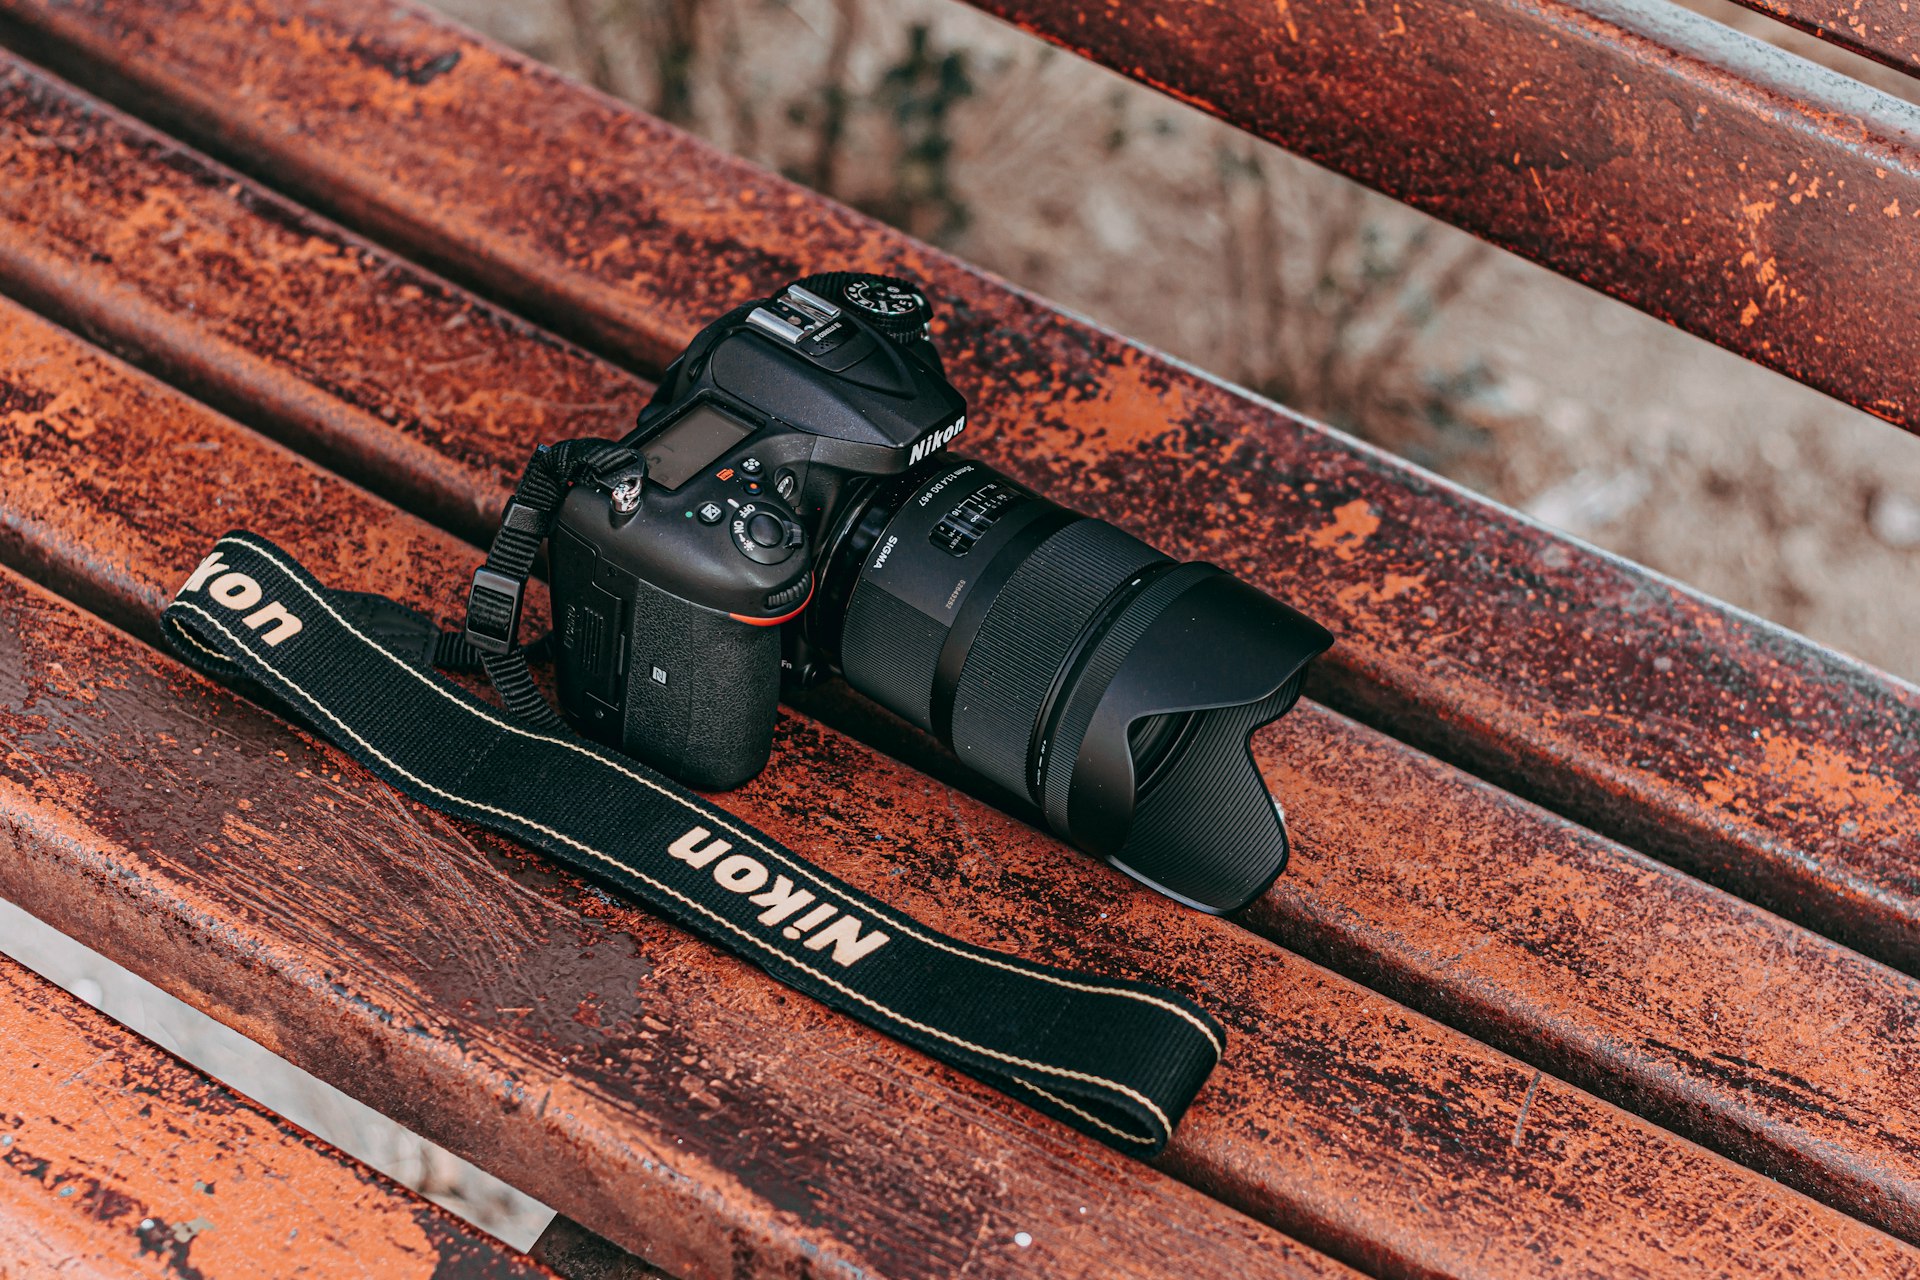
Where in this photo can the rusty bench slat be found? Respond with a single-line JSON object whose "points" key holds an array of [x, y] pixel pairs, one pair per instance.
{"points": [[231, 277], [1739, 192], [1726, 746], [361, 360], [1884, 30], [1529, 935], [118, 1159], [1337, 1114]]}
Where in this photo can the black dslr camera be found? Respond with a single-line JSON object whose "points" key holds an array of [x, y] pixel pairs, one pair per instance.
{"points": [[797, 511]]}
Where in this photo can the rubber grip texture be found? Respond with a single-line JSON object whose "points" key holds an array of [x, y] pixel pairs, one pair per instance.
{"points": [[703, 690]]}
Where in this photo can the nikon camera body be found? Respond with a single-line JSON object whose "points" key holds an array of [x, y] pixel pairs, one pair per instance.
{"points": [[798, 512]]}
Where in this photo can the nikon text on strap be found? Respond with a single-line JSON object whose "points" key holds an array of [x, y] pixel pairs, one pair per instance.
{"points": [[1118, 1060]]}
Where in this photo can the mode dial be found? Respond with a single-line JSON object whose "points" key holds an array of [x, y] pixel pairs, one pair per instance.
{"points": [[890, 304]]}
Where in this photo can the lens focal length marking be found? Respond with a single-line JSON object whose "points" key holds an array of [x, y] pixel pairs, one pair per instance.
{"points": [[968, 522]]}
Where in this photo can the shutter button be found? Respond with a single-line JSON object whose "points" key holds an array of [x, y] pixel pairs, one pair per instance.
{"points": [[766, 530], [767, 536]]}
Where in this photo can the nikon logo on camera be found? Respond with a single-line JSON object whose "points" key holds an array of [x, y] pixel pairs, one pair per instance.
{"points": [[927, 444], [237, 591], [790, 909]]}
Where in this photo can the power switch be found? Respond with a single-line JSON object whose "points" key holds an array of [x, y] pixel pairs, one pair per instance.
{"points": [[765, 534]]}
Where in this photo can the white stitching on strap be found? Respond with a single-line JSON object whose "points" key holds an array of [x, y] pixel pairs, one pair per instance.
{"points": [[669, 891], [900, 923]]}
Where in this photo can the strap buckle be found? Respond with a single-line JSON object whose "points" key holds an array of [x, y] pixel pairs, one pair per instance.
{"points": [[524, 517], [493, 610]]}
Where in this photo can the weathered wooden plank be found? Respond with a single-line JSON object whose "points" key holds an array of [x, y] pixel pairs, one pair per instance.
{"points": [[1530, 935], [216, 285], [1698, 173], [1877, 29], [117, 1159], [1726, 746], [1338, 1115]]}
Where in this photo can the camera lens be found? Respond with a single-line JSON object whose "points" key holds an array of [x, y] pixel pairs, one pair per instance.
{"points": [[1072, 664]]}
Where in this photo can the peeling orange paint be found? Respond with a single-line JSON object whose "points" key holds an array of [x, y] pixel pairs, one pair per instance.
{"points": [[1134, 406], [1353, 523], [1839, 785], [1392, 586]]}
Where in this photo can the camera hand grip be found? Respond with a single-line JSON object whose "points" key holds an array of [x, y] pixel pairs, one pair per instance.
{"points": [[702, 691]]}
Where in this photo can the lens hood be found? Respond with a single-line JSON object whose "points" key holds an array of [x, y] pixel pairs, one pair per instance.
{"points": [[1200, 644]]}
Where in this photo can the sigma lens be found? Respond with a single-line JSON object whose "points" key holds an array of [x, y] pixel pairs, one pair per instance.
{"points": [[1073, 664]]}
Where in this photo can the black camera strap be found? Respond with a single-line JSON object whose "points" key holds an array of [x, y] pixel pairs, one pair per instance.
{"points": [[500, 585], [1119, 1060]]}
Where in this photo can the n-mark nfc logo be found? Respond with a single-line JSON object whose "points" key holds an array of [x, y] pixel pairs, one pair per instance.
{"points": [[927, 444], [784, 902], [237, 591]]}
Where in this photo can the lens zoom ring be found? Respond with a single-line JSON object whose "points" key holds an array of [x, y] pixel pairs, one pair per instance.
{"points": [[889, 650], [1096, 674], [1031, 630]]}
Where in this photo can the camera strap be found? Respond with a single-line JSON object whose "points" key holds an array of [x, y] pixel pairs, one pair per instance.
{"points": [[1116, 1059]]}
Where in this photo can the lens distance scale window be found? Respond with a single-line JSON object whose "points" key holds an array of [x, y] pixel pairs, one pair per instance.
{"points": [[961, 528]]}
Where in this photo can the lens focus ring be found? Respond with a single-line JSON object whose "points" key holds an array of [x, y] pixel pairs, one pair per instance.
{"points": [[1032, 630]]}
